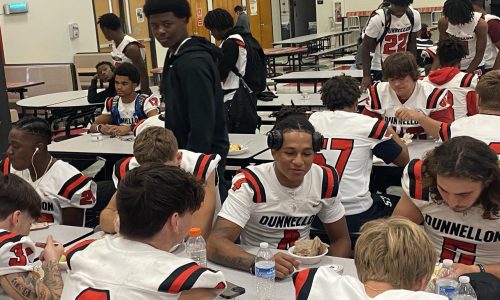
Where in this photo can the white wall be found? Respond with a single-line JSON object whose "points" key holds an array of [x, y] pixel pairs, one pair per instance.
{"points": [[42, 35]]}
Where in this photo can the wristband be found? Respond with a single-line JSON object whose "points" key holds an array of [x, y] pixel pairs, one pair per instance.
{"points": [[98, 128], [252, 268], [481, 268]]}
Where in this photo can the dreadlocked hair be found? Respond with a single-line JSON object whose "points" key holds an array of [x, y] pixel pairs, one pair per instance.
{"points": [[402, 3], [450, 51], [458, 12], [110, 21], [35, 126], [292, 118], [218, 19], [340, 92]]}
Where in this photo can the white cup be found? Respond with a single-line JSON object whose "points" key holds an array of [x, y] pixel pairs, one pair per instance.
{"points": [[96, 137]]}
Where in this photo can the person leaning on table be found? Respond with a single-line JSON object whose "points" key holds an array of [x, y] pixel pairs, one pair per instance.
{"points": [[394, 260]]}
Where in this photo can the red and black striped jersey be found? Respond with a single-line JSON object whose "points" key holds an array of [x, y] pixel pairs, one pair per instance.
{"points": [[270, 212], [133, 270], [16, 253]]}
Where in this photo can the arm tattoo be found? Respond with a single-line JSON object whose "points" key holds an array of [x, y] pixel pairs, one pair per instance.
{"points": [[227, 253], [27, 285]]}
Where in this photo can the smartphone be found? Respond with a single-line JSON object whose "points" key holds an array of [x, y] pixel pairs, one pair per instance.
{"points": [[232, 291]]}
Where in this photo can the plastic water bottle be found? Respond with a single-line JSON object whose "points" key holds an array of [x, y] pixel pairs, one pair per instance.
{"points": [[265, 272], [196, 247], [445, 284], [465, 291]]}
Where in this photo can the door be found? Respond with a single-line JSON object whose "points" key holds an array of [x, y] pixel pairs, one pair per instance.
{"points": [[227, 5], [199, 10], [261, 24]]}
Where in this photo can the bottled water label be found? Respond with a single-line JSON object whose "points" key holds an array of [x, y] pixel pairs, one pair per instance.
{"points": [[447, 287], [266, 273]]}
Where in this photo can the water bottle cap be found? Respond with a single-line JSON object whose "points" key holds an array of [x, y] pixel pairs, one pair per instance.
{"points": [[464, 279], [447, 263], [264, 245], [195, 231]]}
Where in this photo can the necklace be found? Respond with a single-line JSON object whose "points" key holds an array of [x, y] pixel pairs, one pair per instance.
{"points": [[377, 290], [45, 172]]}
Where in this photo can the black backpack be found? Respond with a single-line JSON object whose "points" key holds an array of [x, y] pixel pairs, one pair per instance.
{"points": [[255, 71], [387, 23]]}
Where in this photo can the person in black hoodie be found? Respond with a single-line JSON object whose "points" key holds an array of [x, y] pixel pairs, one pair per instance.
{"points": [[105, 73], [190, 82]]}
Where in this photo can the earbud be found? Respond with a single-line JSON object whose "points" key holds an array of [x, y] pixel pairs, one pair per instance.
{"points": [[36, 150]]}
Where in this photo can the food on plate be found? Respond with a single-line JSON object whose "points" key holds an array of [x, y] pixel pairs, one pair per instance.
{"points": [[39, 225], [235, 147], [310, 247]]}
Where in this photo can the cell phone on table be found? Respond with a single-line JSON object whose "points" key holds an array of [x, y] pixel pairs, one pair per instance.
{"points": [[232, 291]]}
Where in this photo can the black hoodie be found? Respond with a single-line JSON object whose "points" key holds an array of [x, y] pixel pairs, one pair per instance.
{"points": [[193, 97]]}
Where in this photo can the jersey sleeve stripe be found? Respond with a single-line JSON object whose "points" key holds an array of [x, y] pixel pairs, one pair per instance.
{"points": [[78, 247], [417, 190], [431, 54], [9, 237], [378, 130], [303, 283], [202, 165], [124, 167], [134, 130], [375, 99], [466, 80], [330, 186], [109, 103], [259, 195], [6, 166], [72, 185], [432, 100], [444, 131], [183, 278]]}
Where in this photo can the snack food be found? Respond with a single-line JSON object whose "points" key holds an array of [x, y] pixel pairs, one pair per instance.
{"points": [[39, 225], [310, 247], [235, 147]]}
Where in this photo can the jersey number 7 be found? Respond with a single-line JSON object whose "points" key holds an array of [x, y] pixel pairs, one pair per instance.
{"points": [[345, 146]]}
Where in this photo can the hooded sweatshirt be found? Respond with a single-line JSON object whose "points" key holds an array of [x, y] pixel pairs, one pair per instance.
{"points": [[461, 87], [193, 98]]}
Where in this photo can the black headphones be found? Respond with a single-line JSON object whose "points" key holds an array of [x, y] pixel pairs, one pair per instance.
{"points": [[275, 140]]}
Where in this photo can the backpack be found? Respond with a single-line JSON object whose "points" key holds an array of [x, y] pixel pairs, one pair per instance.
{"points": [[387, 23], [255, 70]]}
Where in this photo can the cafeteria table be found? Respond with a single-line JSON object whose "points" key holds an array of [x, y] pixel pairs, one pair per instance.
{"points": [[315, 76], [66, 235]]}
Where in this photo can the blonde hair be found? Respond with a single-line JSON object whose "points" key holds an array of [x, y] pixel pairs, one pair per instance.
{"points": [[155, 144], [488, 90], [394, 250]]}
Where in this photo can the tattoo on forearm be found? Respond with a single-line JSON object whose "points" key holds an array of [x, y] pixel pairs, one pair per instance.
{"points": [[52, 279], [220, 255]]}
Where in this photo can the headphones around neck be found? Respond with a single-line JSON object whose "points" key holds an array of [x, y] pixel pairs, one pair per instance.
{"points": [[275, 140]]}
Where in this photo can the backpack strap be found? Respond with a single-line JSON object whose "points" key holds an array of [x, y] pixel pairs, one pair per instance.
{"points": [[387, 24]]}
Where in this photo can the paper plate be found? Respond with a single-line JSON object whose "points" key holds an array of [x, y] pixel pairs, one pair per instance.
{"points": [[38, 226]]}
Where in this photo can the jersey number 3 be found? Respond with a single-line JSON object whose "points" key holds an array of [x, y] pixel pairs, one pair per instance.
{"points": [[21, 257], [394, 43]]}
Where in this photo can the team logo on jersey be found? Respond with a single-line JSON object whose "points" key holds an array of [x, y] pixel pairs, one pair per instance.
{"points": [[153, 101], [238, 183], [443, 102]]}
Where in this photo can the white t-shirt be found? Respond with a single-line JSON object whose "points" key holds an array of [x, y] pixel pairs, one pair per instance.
{"points": [[267, 211], [348, 142], [483, 127], [198, 164], [464, 237], [396, 39], [233, 81], [61, 187], [425, 98], [325, 283], [461, 87], [466, 34], [154, 121], [491, 51], [118, 268], [117, 51], [128, 113]]}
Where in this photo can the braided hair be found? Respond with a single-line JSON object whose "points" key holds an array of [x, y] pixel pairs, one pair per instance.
{"points": [[458, 12], [292, 118], [35, 126], [218, 19], [450, 52]]}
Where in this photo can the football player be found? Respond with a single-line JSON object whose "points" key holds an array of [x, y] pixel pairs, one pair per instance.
{"points": [[65, 192], [277, 202], [155, 206], [454, 192]]}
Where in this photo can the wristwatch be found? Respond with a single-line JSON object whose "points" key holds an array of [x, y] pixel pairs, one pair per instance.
{"points": [[252, 268]]}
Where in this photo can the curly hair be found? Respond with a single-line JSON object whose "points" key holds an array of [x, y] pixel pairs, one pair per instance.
{"points": [[467, 158], [340, 92], [458, 12], [450, 51], [218, 19]]}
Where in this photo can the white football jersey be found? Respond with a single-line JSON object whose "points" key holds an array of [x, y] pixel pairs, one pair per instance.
{"points": [[154, 121], [425, 98], [130, 113], [324, 282], [462, 94], [116, 268], [117, 51], [232, 81], [267, 211], [464, 237], [348, 142], [396, 39], [61, 187], [198, 164], [429, 53], [466, 34], [491, 51], [17, 253], [481, 126]]}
